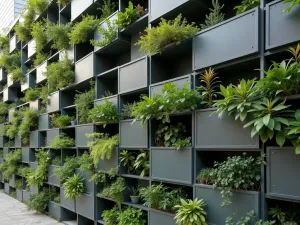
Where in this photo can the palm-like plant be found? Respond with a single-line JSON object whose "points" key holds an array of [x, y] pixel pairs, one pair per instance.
{"points": [[210, 81], [271, 117], [190, 212], [142, 163], [73, 187], [127, 158]]}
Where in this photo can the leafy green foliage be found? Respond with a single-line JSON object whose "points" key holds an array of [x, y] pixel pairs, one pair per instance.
{"points": [[1, 153], [22, 32], [160, 107], [60, 120], [13, 127], [56, 161], [38, 201], [215, 16], [67, 170], [59, 74], [293, 131], [62, 141], [39, 34], [104, 113], [38, 177], [190, 212], [17, 76], [292, 3], [13, 194], [59, 34], [206, 176], [110, 217], [84, 102], [246, 5], [73, 187], [141, 163], [4, 107], [24, 171], [18, 184], [172, 136], [11, 62], [159, 197], [11, 164], [131, 216], [32, 94], [105, 177], [129, 16], [39, 6], [86, 162], [109, 34], [80, 31], [4, 42], [127, 111], [30, 121], [102, 146], [127, 160], [284, 218], [167, 32], [247, 220], [39, 58], [107, 8], [114, 191]]}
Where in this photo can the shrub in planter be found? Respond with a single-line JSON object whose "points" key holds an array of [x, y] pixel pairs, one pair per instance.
{"points": [[11, 164], [80, 31], [62, 141], [39, 34], [131, 216], [4, 107], [13, 127], [134, 195], [4, 42], [18, 184], [160, 107], [86, 163], [30, 121], [127, 111], [105, 177], [23, 30], [38, 201], [127, 160], [104, 113], [237, 172], [60, 121], [73, 187], [56, 161], [141, 163], [24, 171], [59, 34], [39, 6], [190, 212], [114, 191], [16, 75], [107, 8], [109, 34], [167, 32], [215, 16], [102, 146], [246, 5], [110, 217], [284, 218], [11, 62], [67, 169], [32, 94]]}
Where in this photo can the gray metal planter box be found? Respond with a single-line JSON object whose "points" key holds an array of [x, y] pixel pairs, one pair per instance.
{"points": [[31, 48], [34, 139], [44, 122], [35, 104], [85, 206], [158, 217], [40, 70], [283, 167], [209, 49], [6, 188], [281, 29], [54, 210], [113, 99], [88, 186], [18, 142], [1, 177], [133, 75], [69, 53], [84, 68], [242, 203], [52, 179], [172, 165], [27, 155], [12, 43], [33, 166], [50, 135], [12, 181], [3, 74], [80, 134], [133, 135], [66, 203], [53, 102], [222, 133], [1, 141], [9, 94], [180, 82], [19, 193], [28, 82], [10, 114], [106, 165], [78, 7], [6, 150], [26, 195]]}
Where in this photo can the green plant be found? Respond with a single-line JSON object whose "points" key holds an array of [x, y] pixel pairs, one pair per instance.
{"points": [[142, 164], [59, 34], [62, 141], [22, 32], [39, 34], [271, 119], [110, 217], [292, 3], [127, 160], [190, 212], [104, 177], [32, 94], [59, 74], [102, 146], [39, 6], [131, 216], [86, 162], [73, 187], [293, 131], [39, 58], [57, 199], [11, 164], [237, 172], [38, 177], [247, 220], [284, 218], [83, 102], [63, 2], [172, 136], [167, 32], [114, 191], [16, 75], [246, 5], [11, 62], [127, 111], [18, 184], [67, 169], [38, 201], [160, 107], [134, 191], [109, 34], [13, 194], [208, 89], [30, 121], [205, 176], [4, 42], [1, 153], [60, 121], [107, 8], [13, 127], [4, 107], [129, 16], [104, 113], [56, 161], [215, 16], [80, 31], [24, 171]]}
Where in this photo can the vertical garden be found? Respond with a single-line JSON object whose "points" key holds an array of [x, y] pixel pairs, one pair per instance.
{"points": [[153, 112]]}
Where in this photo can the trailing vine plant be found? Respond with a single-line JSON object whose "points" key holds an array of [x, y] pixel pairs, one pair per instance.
{"points": [[108, 34], [29, 122], [59, 34]]}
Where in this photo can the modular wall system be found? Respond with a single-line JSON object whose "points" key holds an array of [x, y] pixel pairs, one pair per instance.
{"points": [[121, 74]]}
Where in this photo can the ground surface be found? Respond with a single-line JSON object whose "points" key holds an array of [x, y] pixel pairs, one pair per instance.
{"points": [[13, 212]]}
